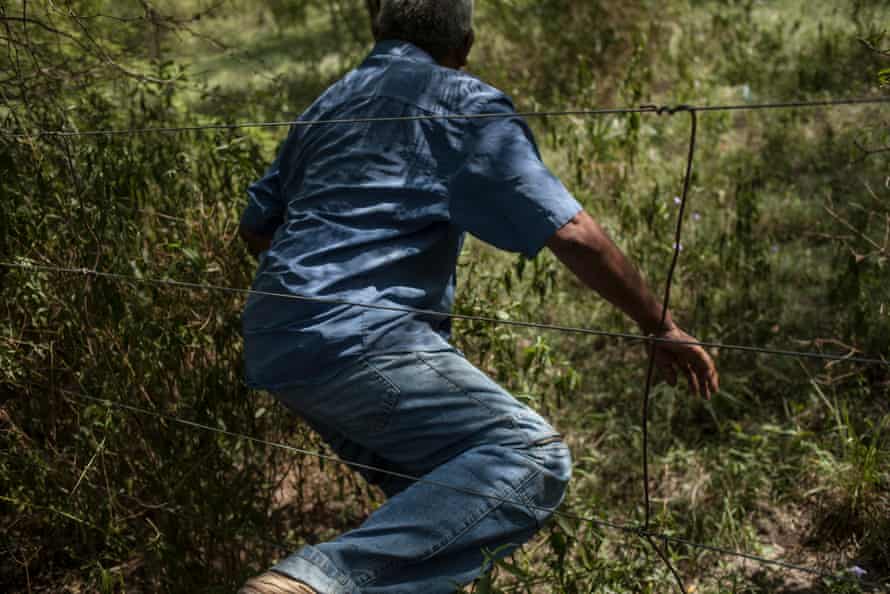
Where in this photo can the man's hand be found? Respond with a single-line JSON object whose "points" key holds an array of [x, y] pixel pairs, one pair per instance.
{"points": [[690, 360], [585, 248]]}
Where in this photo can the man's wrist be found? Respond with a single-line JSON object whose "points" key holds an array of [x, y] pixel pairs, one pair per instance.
{"points": [[657, 326]]}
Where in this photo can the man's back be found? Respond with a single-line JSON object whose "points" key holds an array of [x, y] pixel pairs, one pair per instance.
{"points": [[374, 212]]}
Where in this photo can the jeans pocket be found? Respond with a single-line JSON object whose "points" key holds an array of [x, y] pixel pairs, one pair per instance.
{"points": [[463, 377], [356, 400], [388, 398]]}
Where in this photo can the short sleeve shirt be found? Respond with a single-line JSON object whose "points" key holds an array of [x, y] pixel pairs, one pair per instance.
{"points": [[375, 213]]}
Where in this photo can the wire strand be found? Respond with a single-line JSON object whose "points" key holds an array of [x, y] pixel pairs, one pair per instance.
{"points": [[668, 109], [639, 531], [335, 121], [653, 349], [192, 286], [643, 532]]}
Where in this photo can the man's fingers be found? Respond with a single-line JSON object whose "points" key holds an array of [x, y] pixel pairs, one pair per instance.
{"points": [[705, 383], [713, 382], [703, 366], [701, 373], [711, 377]]}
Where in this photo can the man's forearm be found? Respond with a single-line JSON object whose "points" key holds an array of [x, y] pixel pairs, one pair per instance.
{"points": [[585, 248]]}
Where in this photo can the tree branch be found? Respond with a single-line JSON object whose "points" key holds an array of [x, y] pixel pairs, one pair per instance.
{"points": [[110, 61], [872, 46], [42, 25], [868, 152]]}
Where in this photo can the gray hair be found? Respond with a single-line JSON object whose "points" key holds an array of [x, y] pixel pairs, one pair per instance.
{"points": [[438, 26]]}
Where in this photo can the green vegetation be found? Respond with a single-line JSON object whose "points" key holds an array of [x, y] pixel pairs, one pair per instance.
{"points": [[786, 246]]}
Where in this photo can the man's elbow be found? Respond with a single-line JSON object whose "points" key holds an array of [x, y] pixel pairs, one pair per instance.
{"points": [[581, 232]]}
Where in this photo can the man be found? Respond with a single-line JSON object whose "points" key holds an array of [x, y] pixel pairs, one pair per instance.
{"points": [[375, 213]]}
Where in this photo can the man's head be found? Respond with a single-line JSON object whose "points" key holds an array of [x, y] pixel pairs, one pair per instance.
{"points": [[444, 28]]}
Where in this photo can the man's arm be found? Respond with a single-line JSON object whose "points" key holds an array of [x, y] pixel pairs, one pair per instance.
{"points": [[264, 212], [585, 248]]}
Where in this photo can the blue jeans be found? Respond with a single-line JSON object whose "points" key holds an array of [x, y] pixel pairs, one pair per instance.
{"points": [[431, 415]]}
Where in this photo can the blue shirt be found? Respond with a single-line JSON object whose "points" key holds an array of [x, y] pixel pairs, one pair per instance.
{"points": [[376, 212]]}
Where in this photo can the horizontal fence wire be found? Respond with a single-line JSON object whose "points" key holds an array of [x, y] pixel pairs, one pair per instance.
{"points": [[643, 531], [654, 109], [193, 286], [634, 530]]}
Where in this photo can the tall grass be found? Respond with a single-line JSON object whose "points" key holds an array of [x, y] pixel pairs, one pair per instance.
{"points": [[786, 246]]}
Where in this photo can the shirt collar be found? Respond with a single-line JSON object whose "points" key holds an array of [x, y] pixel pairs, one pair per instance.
{"points": [[395, 48]]}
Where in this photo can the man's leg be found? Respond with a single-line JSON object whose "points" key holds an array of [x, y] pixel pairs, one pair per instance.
{"points": [[492, 469], [372, 467]]}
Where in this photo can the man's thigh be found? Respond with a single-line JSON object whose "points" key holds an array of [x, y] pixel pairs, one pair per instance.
{"points": [[418, 410], [374, 468]]}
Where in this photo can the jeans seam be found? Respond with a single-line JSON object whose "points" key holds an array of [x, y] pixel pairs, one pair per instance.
{"points": [[530, 505], [331, 575], [391, 399], [442, 544], [502, 500], [460, 388]]}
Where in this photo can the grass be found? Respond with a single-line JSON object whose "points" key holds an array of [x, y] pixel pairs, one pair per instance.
{"points": [[789, 461]]}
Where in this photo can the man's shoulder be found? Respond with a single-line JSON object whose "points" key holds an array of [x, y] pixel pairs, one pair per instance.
{"points": [[475, 95], [430, 87]]}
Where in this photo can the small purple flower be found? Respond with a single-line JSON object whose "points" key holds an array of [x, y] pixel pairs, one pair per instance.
{"points": [[696, 216], [677, 200], [775, 249], [678, 246], [857, 571]]}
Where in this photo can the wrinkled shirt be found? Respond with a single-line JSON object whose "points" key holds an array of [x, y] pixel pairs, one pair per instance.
{"points": [[376, 212]]}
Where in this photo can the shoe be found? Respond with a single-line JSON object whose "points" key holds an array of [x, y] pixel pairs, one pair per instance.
{"points": [[275, 583]]}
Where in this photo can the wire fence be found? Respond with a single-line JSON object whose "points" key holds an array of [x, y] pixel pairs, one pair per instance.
{"points": [[629, 529], [658, 541], [650, 371], [643, 109], [849, 357]]}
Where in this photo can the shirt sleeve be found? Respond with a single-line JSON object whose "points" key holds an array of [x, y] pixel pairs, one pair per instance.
{"points": [[503, 193], [265, 206]]}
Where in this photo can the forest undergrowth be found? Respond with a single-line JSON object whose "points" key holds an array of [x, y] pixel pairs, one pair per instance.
{"points": [[786, 246]]}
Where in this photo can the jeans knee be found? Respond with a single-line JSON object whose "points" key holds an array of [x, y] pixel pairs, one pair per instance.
{"points": [[560, 462], [555, 463]]}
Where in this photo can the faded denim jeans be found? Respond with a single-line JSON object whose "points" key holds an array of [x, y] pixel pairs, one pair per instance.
{"points": [[431, 415]]}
